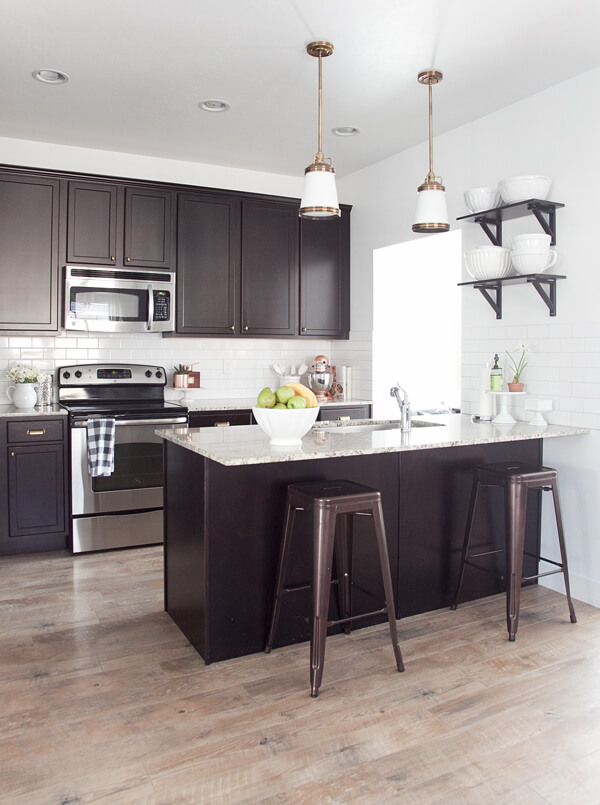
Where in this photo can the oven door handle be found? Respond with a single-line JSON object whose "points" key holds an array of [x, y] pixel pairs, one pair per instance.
{"points": [[177, 420], [150, 321]]}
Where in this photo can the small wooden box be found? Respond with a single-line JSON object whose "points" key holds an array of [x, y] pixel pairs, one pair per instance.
{"points": [[193, 380]]}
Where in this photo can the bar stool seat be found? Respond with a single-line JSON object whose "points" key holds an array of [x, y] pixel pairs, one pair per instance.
{"points": [[516, 479], [333, 504]]}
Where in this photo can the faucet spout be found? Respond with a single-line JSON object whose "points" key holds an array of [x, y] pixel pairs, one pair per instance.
{"points": [[403, 404]]}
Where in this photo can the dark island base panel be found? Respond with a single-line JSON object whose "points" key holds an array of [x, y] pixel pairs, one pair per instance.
{"points": [[223, 530]]}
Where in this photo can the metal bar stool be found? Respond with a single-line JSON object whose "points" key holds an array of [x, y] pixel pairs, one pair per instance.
{"points": [[516, 479], [333, 503]]}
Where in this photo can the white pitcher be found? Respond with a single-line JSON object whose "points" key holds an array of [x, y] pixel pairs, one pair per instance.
{"points": [[23, 395]]}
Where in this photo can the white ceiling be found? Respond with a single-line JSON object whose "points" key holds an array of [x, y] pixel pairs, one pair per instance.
{"points": [[139, 68]]}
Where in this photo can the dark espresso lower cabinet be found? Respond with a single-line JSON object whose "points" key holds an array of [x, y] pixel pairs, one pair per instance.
{"points": [[34, 514]]}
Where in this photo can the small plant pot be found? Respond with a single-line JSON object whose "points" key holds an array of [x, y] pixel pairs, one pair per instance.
{"points": [[516, 386], [180, 381]]}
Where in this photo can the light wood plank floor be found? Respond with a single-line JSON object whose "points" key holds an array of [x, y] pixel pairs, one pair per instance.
{"points": [[104, 701]]}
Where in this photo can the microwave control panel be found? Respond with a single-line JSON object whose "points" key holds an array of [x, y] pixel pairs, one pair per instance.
{"points": [[162, 306]]}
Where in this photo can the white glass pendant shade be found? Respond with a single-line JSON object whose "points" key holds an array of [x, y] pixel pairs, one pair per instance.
{"points": [[431, 214], [319, 197]]}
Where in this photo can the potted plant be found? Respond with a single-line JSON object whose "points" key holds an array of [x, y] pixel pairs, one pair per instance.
{"points": [[180, 376], [22, 392], [517, 365]]}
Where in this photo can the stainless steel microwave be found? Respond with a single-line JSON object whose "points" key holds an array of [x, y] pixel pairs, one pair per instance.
{"points": [[113, 300]]}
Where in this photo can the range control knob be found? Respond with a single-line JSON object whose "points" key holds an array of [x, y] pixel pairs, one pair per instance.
{"points": [[78, 374], [148, 373], [159, 375], [66, 375]]}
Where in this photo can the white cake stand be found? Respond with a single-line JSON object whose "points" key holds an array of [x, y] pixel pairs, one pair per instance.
{"points": [[503, 417]]}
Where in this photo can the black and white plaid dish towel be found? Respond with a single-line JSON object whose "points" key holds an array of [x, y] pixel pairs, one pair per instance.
{"points": [[101, 446]]}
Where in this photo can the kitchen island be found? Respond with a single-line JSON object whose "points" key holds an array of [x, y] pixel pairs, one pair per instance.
{"points": [[225, 494]]}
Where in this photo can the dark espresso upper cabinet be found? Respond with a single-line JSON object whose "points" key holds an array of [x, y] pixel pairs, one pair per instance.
{"points": [[208, 257], [117, 225], [29, 244], [269, 268], [325, 277]]}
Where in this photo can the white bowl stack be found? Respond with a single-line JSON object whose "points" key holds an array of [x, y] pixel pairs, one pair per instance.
{"points": [[488, 262], [479, 199], [522, 188], [531, 253]]}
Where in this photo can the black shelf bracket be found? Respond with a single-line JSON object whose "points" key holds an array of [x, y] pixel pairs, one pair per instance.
{"points": [[496, 302], [549, 297], [549, 224], [488, 220], [544, 284]]}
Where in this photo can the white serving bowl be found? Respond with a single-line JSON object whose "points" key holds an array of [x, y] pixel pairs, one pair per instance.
{"points": [[522, 188], [488, 262], [533, 261], [532, 241], [482, 198], [285, 426]]}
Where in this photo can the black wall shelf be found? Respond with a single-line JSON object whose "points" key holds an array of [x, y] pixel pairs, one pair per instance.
{"points": [[545, 285], [544, 211]]}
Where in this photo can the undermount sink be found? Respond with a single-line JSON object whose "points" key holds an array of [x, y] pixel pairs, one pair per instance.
{"points": [[371, 426]]}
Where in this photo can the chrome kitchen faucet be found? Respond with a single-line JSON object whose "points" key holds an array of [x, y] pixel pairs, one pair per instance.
{"points": [[403, 404]]}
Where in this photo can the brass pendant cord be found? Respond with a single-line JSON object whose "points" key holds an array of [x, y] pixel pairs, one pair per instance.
{"points": [[430, 175], [319, 155]]}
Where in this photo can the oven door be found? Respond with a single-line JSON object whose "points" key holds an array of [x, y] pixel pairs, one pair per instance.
{"points": [[137, 480]]}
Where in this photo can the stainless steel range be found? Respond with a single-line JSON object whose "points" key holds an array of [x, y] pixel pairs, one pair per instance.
{"points": [[125, 508]]}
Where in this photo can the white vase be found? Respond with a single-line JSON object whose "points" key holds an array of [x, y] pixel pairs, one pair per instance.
{"points": [[23, 395]]}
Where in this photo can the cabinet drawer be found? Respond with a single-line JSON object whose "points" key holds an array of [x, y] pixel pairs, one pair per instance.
{"points": [[32, 431], [220, 419], [336, 412]]}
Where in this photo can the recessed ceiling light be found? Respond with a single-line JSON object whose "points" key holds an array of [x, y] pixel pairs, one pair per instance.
{"points": [[214, 105], [50, 76], [345, 131]]}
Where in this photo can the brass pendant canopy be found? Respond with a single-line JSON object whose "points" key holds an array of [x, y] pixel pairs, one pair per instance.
{"points": [[431, 214], [319, 197]]}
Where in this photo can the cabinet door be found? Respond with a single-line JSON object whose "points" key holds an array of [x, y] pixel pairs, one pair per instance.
{"points": [[148, 233], [29, 252], [207, 264], [269, 268], [36, 501], [92, 223], [325, 277]]}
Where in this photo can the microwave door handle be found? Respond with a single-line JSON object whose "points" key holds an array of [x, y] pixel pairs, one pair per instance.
{"points": [[150, 308]]}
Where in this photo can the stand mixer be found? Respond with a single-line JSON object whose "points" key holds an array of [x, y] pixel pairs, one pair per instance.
{"points": [[320, 380]]}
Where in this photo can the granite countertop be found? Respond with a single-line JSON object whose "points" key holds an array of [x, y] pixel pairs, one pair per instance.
{"points": [[47, 410], [247, 444], [199, 404]]}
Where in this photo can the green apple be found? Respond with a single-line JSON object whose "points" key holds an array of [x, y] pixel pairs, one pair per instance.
{"points": [[279, 405], [266, 398], [284, 393], [296, 402]]}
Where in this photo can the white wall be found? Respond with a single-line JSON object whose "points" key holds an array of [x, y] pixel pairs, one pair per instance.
{"points": [[554, 133]]}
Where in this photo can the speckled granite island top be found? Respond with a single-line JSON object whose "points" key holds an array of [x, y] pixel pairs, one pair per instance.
{"points": [[247, 444]]}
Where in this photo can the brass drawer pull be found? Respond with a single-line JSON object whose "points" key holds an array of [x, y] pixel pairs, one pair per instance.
{"points": [[36, 431], [221, 424]]}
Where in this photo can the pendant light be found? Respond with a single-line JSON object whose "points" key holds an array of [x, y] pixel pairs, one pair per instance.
{"points": [[431, 214], [319, 197]]}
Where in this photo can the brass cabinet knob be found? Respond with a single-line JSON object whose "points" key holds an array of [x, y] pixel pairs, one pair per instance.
{"points": [[304, 329], [128, 259], [245, 328], [112, 257], [232, 328]]}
